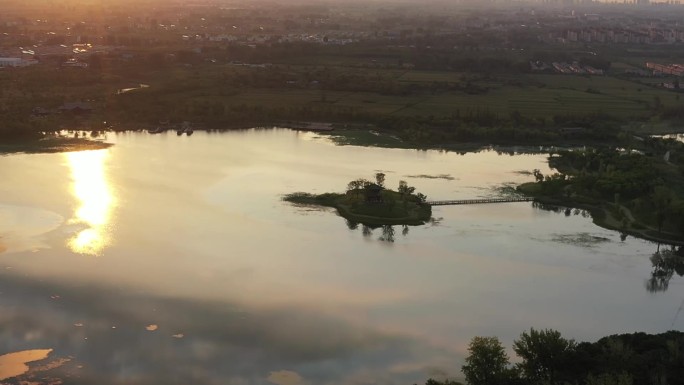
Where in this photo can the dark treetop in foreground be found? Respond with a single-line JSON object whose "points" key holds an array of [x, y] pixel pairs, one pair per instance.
{"points": [[549, 359]]}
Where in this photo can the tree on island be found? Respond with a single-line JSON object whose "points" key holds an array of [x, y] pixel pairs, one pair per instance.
{"points": [[405, 189], [422, 198], [538, 176], [380, 179], [357, 184]]}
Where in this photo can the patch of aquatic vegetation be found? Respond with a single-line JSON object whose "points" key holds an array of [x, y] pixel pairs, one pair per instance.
{"points": [[580, 239], [426, 176], [306, 202], [506, 190], [366, 138], [523, 172], [307, 199], [503, 190]]}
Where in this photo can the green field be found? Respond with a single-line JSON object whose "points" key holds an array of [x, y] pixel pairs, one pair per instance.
{"points": [[533, 96], [215, 93]]}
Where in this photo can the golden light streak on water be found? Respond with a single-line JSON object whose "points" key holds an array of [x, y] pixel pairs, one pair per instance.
{"points": [[92, 189]]}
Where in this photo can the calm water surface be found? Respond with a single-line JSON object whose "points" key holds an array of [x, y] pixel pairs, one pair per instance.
{"points": [[168, 259]]}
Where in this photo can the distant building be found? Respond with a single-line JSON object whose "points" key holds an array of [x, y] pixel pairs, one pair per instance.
{"points": [[668, 69]]}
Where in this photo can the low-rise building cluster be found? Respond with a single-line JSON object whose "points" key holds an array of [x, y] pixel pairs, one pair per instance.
{"points": [[619, 35], [565, 68], [666, 69]]}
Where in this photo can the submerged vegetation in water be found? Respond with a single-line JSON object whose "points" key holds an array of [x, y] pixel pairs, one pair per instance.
{"points": [[581, 239], [426, 176]]}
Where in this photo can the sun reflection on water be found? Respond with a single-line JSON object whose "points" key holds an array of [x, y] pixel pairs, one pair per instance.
{"points": [[91, 188]]}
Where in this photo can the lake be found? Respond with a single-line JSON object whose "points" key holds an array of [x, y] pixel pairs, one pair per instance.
{"points": [[168, 259]]}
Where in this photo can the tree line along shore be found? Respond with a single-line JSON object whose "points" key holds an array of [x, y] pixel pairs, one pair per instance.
{"points": [[476, 98], [637, 192], [547, 358]]}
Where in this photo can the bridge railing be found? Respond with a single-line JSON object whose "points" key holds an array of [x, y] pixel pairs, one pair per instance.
{"points": [[478, 201]]}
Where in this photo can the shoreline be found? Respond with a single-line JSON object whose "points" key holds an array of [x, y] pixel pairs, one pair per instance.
{"points": [[51, 145], [602, 217], [370, 135], [358, 135]]}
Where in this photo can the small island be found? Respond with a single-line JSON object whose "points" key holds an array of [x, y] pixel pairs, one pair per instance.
{"points": [[372, 204]]}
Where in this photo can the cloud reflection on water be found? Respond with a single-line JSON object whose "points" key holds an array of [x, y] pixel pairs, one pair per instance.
{"points": [[223, 343], [24, 228], [91, 188]]}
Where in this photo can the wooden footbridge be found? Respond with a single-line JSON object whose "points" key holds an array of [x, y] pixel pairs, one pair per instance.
{"points": [[479, 201]]}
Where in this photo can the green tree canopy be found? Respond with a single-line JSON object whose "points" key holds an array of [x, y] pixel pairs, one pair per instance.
{"points": [[545, 355], [487, 363]]}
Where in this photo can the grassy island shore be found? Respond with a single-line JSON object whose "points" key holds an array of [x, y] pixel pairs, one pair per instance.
{"points": [[640, 193], [607, 215]]}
